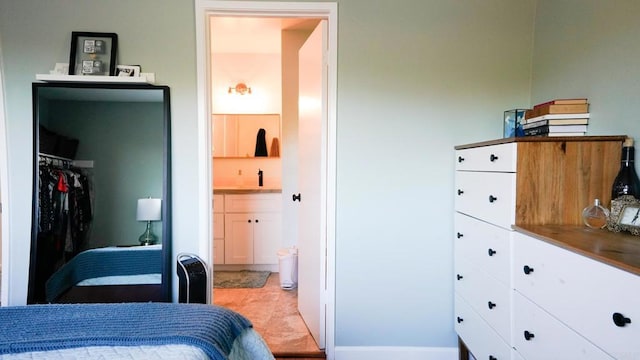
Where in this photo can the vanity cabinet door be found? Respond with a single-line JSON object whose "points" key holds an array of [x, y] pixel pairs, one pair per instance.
{"points": [[267, 238], [238, 247]]}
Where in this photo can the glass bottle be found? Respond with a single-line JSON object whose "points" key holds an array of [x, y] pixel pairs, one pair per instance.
{"points": [[595, 216], [626, 182]]}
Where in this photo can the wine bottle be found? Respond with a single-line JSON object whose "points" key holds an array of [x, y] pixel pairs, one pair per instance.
{"points": [[626, 182]]}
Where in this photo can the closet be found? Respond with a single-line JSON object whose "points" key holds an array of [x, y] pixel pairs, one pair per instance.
{"points": [[98, 148]]}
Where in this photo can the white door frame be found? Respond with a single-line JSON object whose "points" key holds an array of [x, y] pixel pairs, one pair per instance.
{"points": [[325, 10], [4, 192]]}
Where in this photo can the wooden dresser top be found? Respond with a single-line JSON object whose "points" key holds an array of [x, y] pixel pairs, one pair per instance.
{"points": [[542, 139]]}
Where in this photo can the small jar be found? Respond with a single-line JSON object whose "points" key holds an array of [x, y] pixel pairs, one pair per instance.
{"points": [[595, 216]]}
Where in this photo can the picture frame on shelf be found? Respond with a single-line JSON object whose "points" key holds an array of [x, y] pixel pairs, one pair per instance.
{"points": [[128, 70], [93, 53], [512, 123], [625, 215]]}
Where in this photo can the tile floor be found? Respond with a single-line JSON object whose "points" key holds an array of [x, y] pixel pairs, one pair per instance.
{"points": [[274, 314]]}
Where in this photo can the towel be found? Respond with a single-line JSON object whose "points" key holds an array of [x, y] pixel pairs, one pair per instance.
{"points": [[275, 148], [261, 143]]}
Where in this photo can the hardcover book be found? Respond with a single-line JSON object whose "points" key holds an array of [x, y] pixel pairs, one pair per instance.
{"points": [[533, 124], [556, 117], [544, 129]]}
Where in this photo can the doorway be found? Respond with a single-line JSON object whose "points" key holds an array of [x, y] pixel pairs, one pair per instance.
{"points": [[328, 12]]}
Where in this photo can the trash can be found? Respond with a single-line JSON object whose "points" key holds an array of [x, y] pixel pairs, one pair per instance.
{"points": [[193, 278], [288, 268]]}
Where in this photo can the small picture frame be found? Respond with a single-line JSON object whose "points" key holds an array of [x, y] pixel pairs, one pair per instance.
{"points": [[512, 123], [128, 70], [625, 215], [93, 53]]}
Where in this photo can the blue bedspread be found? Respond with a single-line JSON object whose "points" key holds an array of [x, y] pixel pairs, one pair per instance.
{"points": [[52, 327], [111, 261]]}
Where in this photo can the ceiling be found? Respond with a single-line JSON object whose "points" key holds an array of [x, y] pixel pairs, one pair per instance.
{"points": [[235, 34]]}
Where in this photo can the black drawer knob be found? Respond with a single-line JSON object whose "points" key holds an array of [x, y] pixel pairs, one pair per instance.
{"points": [[459, 277], [620, 320], [459, 235], [491, 357], [460, 159], [492, 198], [491, 252], [460, 192], [459, 319], [528, 336], [249, 220], [527, 269], [493, 158], [491, 305]]}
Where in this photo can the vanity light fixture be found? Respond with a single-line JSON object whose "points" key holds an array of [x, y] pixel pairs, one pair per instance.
{"points": [[149, 210], [240, 89]]}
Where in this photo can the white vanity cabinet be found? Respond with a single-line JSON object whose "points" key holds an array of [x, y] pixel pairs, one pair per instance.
{"points": [[253, 228], [218, 229]]}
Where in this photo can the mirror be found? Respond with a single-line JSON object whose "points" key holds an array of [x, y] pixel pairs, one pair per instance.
{"points": [[236, 135], [98, 149]]}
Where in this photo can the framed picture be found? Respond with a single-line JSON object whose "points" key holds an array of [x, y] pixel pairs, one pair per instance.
{"points": [[625, 215], [93, 53], [128, 70], [512, 123]]}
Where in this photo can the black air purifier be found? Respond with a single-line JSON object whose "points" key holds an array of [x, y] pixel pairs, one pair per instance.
{"points": [[192, 279]]}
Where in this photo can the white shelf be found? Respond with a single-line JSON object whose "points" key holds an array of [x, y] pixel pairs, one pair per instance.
{"points": [[142, 79]]}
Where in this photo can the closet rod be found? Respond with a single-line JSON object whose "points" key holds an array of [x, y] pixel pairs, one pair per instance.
{"points": [[87, 164]]}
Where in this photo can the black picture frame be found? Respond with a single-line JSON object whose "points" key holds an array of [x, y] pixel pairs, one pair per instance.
{"points": [[93, 53]]}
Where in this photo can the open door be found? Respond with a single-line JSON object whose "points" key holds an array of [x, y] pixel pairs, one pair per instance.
{"points": [[312, 169]]}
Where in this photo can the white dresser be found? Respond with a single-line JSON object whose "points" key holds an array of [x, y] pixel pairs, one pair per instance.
{"points": [[508, 182]]}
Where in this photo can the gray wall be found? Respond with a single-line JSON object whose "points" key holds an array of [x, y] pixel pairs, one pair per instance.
{"points": [[415, 78]]}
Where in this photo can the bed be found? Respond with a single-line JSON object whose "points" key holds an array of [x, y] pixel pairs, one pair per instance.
{"points": [[110, 274], [128, 331]]}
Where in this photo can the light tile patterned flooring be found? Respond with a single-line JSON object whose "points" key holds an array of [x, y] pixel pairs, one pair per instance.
{"points": [[274, 314]]}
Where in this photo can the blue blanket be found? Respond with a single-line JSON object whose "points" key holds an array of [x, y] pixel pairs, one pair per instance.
{"points": [[112, 261], [52, 327]]}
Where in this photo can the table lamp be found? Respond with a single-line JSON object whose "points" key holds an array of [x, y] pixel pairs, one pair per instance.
{"points": [[149, 210]]}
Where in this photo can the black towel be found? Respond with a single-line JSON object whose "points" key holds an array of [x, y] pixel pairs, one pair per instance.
{"points": [[261, 143]]}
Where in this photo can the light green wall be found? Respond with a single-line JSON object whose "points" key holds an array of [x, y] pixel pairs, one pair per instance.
{"points": [[590, 48], [415, 77]]}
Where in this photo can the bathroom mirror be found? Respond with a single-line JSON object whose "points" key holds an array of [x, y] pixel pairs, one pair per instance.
{"points": [[98, 149], [235, 135]]}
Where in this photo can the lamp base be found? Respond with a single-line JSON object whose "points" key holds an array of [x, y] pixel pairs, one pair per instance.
{"points": [[148, 238]]}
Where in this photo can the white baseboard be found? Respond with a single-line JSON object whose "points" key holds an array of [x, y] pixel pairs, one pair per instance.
{"points": [[394, 352]]}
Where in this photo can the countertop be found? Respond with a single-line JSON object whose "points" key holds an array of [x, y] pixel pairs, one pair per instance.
{"points": [[620, 250], [244, 190]]}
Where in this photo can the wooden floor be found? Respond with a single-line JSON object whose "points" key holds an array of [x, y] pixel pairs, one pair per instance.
{"points": [[274, 314]]}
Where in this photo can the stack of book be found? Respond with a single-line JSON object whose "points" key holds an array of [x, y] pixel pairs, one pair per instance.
{"points": [[560, 117]]}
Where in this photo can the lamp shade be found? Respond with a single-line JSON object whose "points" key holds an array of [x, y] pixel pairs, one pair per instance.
{"points": [[149, 209]]}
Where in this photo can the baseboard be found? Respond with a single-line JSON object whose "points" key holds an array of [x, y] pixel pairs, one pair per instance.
{"points": [[394, 352]]}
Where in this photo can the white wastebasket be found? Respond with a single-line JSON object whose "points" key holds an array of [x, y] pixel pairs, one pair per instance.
{"points": [[288, 268]]}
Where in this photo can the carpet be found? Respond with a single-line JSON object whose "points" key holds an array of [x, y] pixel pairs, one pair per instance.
{"points": [[240, 279]]}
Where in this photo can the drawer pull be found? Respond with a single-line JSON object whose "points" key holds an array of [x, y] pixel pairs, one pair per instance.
{"points": [[257, 221], [491, 252], [527, 269], [460, 192], [491, 357], [459, 277], [460, 159], [459, 235], [620, 320], [492, 198], [493, 158], [528, 336], [491, 305], [249, 220], [459, 319]]}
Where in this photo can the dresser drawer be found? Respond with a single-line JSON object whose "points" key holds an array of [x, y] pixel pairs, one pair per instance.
{"points": [[483, 341], [537, 335], [584, 294], [253, 203], [487, 196], [488, 297], [501, 158], [483, 244]]}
